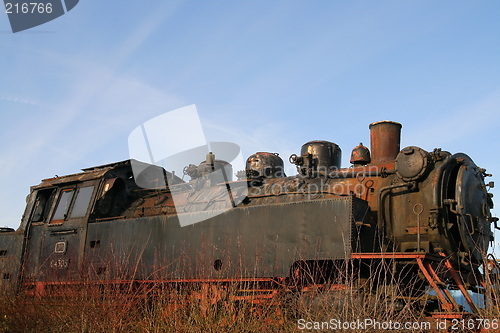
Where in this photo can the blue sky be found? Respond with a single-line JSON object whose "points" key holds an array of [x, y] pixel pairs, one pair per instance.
{"points": [[268, 76]]}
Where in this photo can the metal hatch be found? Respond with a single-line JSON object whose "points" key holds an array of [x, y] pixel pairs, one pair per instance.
{"points": [[472, 208]]}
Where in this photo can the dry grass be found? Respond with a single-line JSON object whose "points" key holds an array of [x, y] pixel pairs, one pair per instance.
{"points": [[121, 311], [180, 308]]}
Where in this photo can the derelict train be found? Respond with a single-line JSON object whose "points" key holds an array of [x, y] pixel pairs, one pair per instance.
{"points": [[409, 205]]}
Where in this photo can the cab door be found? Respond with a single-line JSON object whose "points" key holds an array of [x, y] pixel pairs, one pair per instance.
{"points": [[40, 213], [56, 244]]}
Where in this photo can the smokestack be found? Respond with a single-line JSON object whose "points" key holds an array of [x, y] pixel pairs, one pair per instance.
{"points": [[385, 138]]}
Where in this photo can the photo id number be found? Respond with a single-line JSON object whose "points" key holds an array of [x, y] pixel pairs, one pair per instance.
{"points": [[31, 7]]}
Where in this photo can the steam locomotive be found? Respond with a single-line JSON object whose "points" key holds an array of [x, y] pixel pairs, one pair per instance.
{"points": [[104, 225]]}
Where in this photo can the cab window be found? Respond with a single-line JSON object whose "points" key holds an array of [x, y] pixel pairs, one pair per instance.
{"points": [[42, 205], [82, 201], [63, 206]]}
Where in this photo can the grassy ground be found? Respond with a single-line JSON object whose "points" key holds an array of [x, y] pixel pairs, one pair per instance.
{"points": [[219, 308], [121, 311]]}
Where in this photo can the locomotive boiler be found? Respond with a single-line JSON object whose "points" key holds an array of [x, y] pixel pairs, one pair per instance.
{"points": [[100, 225]]}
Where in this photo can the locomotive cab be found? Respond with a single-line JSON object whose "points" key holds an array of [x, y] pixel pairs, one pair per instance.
{"points": [[60, 209]]}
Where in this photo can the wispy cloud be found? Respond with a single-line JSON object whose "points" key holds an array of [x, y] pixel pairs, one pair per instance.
{"points": [[149, 25], [20, 100]]}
